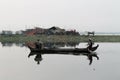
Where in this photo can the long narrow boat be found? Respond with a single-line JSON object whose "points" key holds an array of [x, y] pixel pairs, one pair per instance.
{"points": [[63, 50]]}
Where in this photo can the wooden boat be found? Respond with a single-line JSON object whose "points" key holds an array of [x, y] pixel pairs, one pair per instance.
{"points": [[64, 50]]}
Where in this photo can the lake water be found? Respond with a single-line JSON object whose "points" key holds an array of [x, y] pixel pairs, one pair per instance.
{"points": [[16, 65]]}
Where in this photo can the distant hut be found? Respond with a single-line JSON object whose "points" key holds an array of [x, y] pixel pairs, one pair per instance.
{"points": [[72, 32], [19, 32], [9, 33], [36, 31], [91, 33], [56, 31]]}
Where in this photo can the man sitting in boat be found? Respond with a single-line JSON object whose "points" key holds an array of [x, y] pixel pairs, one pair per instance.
{"points": [[39, 44]]}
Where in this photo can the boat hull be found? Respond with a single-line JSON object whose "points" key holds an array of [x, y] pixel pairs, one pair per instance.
{"points": [[68, 50]]}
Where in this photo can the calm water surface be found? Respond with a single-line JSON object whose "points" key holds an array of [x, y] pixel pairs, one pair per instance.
{"points": [[15, 64]]}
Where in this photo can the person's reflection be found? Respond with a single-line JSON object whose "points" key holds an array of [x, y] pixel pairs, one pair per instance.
{"points": [[37, 58], [90, 57]]}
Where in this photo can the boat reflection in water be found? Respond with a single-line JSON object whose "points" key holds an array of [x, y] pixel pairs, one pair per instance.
{"points": [[38, 56]]}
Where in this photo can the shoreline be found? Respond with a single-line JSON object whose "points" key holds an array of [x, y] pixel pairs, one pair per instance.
{"points": [[59, 38]]}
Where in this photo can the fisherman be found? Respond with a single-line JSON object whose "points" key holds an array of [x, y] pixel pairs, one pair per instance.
{"points": [[39, 44], [90, 44]]}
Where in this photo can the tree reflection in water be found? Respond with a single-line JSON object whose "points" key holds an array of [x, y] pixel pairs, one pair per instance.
{"points": [[38, 56], [46, 44]]}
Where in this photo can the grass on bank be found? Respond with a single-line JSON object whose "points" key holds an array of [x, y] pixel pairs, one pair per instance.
{"points": [[59, 38]]}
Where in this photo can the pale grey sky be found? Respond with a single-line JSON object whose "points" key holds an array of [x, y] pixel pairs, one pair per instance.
{"points": [[83, 15]]}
